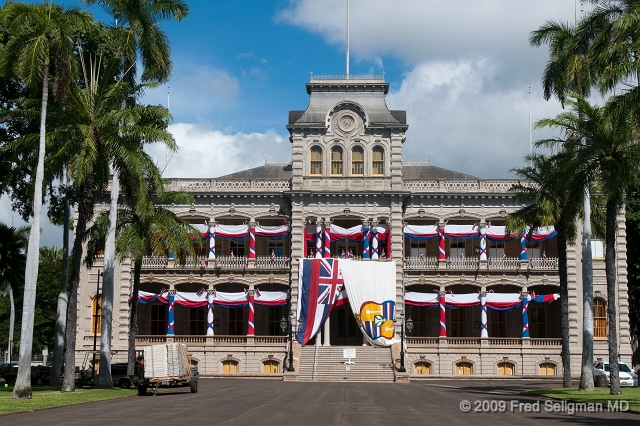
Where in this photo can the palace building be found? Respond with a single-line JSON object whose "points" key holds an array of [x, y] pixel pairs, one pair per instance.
{"points": [[481, 302]]}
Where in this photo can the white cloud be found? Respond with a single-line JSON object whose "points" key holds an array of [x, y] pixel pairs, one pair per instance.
{"points": [[206, 152], [196, 90], [460, 119]]}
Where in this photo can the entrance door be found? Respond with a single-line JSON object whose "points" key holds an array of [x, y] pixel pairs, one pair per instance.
{"points": [[344, 328]]}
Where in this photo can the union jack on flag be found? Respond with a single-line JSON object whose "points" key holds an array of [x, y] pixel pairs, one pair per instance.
{"points": [[504, 255], [319, 286], [421, 256]]}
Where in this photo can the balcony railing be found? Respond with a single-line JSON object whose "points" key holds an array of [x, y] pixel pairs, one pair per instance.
{"points": [[477, 341], [231, 262], [418, 263], [463, 263], [277, 262], [537, 263], [512, 263]]}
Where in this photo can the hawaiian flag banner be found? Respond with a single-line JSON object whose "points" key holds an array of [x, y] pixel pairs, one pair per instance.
{"points": [[319, 287]]}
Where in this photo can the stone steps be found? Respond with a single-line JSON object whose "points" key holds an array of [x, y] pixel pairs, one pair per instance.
{"points": [[327, 364]]}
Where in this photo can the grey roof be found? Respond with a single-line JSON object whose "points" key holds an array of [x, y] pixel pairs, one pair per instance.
{"points": [[431, 172], [268, 171], [274, 171], [320, 103]]}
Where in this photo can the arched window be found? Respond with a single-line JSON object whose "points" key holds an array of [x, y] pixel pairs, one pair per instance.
{"points": [[270, 367], [316, 161], [336, 161], [599, 318], [357, 161], [229, 366], [96, 317], [422, 367], [378, 161], [464, 368], [505, 369], [547, 369]]}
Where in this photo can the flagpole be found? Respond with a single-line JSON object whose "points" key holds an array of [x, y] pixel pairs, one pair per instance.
{"points": [[347, 39]]}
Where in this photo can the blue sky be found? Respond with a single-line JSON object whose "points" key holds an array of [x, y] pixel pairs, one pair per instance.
{"points": [[461, 69]]}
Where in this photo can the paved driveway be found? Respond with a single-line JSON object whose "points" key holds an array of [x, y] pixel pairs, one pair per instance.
{"points": [[256, 402]]}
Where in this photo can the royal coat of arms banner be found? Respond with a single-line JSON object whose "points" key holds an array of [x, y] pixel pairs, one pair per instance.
{"points": [[371, 289]]}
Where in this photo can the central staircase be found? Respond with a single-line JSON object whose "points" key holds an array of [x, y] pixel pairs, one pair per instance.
{"points": [[327, 364]]}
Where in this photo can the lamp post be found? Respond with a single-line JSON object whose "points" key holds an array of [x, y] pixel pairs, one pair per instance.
{"points": [[409, 325], [285, 326], [95, 325]]}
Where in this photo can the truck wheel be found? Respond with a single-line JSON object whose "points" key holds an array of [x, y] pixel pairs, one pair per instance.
{"points": [[142, 390], [194, 385], [124, 384]]}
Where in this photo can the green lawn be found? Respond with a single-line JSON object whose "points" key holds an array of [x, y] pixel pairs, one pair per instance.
{"points": [[601, 395], [48, 396]]}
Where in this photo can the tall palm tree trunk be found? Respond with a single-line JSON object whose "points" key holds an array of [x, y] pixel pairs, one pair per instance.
{"points": [[22, 388], [12, 322], [612, 316], [564, 303], [133, 317], [586, 373], [104, 377], [84, 211], [61, 314]]}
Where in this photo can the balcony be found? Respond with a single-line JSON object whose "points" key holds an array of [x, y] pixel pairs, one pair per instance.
{"points": [[222, 262], [199, 340], [477, 342], [474, 263]]}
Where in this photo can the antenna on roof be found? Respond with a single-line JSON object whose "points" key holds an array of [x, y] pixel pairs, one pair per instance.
{"points": [[347, 39]]}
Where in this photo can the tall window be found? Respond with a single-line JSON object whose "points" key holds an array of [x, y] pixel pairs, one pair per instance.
{"points": [[456, 247], [236, 246], [378, 161], [537, 322], [597, 246], [278, 246], [158, 319], [495, 249], [599, 318], [533, 249], [336, 161], [418, 315], [274, 315], [357, 161], [497, 326], [236, 321], [316, 160], [458, 322], [197, 318], [96, 316], [418, 247]]}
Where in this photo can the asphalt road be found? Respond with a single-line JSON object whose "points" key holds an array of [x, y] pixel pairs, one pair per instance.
{"points": [[256, 402]]}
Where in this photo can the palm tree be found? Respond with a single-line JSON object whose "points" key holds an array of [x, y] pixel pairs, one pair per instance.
{"points": [[569, 71], [551, 199], [613, 157], [99, 134], [13, 245], [141, 35], [145, 226], [50, 254], [41, 36]]}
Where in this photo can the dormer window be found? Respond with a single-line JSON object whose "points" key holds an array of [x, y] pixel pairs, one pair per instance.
{"points": [[336, 161], [316, 161], [357, 161], [377, 161]]}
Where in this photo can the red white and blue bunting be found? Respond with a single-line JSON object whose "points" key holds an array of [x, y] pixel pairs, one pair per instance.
{"points": [[225, 299], [494, 301], [493, 233]]}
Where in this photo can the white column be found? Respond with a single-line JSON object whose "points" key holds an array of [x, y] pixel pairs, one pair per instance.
{"points": [[483, 316], [483, 241], [210, 313], [327, 333]]}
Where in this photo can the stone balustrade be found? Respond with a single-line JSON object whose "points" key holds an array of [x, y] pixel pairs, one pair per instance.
{"points": [[457, 186], [477, 342], [195, 185]]}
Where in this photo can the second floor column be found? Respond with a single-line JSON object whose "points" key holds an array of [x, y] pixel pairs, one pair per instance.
{"points": [[252, 240], [212, 240], [171, 314], [327, 239], [210, 296], [484, 332], [374, 240], [442, 255], [483, 241], [365, 241], [525, 315], [443, 315], [318, 239], [523, 245], [251, 314]]}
